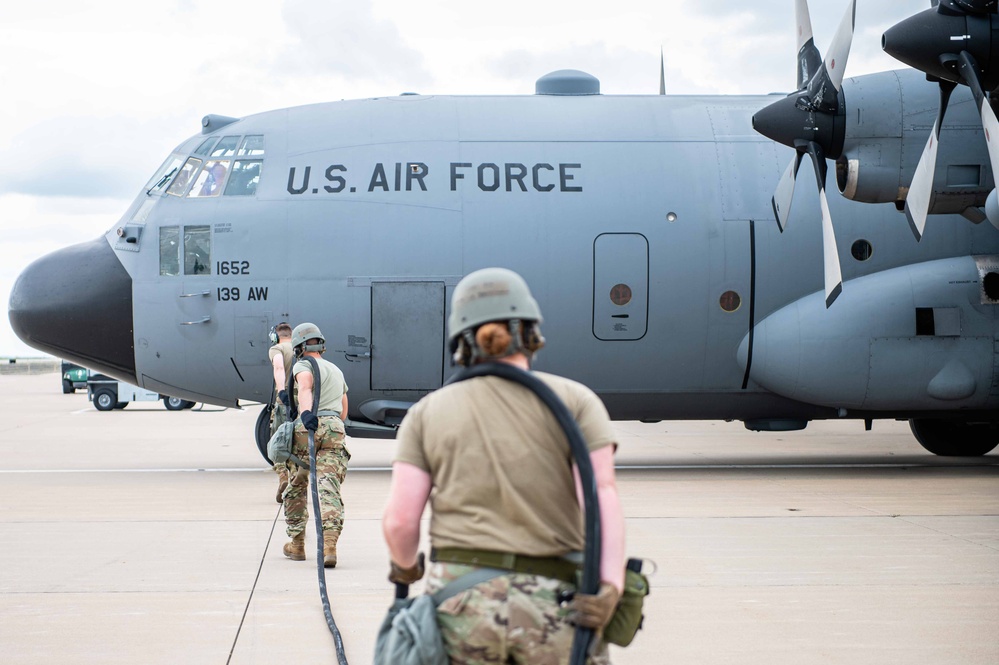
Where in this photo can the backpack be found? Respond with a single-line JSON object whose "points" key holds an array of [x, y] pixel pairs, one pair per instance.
{"points": [[409, 635], [279, 448]]}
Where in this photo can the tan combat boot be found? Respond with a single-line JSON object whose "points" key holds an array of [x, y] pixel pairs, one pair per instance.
{"points": [[329, 548], [295, 550]]}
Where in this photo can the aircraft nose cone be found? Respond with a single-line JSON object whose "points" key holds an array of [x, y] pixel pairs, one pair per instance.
{"points": [[76, 303]]}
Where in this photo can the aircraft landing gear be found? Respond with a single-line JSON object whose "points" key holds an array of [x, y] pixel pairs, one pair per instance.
{"points": [[951, 438], [262, 432]]}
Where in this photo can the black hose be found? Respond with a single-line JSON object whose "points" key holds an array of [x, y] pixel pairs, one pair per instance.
{"points": [[316, 511], [590, 583]]}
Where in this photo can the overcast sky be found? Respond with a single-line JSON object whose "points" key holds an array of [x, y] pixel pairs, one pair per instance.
{"points": [[97, 92]]}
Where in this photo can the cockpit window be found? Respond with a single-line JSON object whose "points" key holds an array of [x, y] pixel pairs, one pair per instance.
{"points": [[142, 214], [205, 148], [197, 250], [183, 179], [244, 178], [226, 147], [164, 175], [253, 146], [169, 250], [195, 177], [211, 178]]}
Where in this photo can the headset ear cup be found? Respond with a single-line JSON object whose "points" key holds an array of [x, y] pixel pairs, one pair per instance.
{"points": [[462, 352], [533, 341]]}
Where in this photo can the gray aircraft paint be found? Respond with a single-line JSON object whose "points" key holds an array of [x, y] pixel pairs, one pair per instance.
{"points": [[412, 192]]}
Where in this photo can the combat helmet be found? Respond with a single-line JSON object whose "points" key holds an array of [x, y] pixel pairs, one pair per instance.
{"points": [[302, 333], [492, 294]]}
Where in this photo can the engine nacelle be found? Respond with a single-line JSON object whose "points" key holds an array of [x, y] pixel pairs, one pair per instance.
{"points": [[919, 337], [888, 121]]}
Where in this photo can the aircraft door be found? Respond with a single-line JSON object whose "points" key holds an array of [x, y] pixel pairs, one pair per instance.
{"points": [[407, 335], [620, 286]]}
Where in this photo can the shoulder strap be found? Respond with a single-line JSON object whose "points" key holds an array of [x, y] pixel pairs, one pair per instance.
{"points": [[315, 383], [466, 582], [293, 413]]}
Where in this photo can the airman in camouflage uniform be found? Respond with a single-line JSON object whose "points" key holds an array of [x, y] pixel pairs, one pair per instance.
{"points": [[324, 419], [281, 357], [497, 470]]}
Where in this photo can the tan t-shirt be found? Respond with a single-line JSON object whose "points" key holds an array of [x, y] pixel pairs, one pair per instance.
{"points": [[500, 465], [288, 353], [331, 384]]}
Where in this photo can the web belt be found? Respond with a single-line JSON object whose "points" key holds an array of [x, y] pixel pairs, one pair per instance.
{"points": [[554, 567]]}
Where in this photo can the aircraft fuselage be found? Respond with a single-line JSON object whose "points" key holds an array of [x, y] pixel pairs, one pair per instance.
{"points": [[643, 225]]}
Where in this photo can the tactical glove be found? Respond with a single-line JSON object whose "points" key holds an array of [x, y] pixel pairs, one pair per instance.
{"points": [[594, 611], [309, 421], [283, 396], [407, 576]]}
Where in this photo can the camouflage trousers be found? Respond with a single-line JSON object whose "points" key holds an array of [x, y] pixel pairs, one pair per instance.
{"points": [[331, 469], [512, 618], [283, 471]]}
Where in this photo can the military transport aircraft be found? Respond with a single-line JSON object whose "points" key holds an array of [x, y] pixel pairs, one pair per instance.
{"points": [[644, 224]]}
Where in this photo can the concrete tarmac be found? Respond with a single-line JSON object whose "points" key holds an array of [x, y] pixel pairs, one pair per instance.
{"points": [[149, 536]]}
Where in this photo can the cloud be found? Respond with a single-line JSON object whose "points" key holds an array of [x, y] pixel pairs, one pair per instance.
{"points": [[83, 156], [346, 40], [761, 35]]}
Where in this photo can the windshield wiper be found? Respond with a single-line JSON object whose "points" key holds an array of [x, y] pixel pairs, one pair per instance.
{"points": [[162, 181]]}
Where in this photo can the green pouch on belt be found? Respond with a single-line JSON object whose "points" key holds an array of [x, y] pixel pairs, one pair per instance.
{"points": [[627, 618]]}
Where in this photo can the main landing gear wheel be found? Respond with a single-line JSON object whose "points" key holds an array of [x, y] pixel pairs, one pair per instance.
{"points": [[951, 438], [262, 432], [105, 400]]}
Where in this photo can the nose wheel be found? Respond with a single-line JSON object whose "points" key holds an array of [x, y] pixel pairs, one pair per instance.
{"points": [[176, 403]]}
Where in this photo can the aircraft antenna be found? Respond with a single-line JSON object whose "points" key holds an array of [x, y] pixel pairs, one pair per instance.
{"points": [[662, 72]]}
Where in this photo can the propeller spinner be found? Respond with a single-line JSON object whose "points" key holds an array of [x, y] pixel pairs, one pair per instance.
{"points": [[952, 43], [812, 121]]}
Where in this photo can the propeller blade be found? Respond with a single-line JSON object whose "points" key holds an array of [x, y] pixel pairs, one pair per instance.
{"points": [[970, 73], [809, 58], [784, 193], [824, 87], [917, 201], [830, 253]]}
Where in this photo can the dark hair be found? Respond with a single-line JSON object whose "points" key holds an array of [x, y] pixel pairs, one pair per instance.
{"points": [[283, 329]]}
